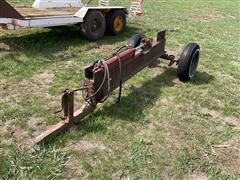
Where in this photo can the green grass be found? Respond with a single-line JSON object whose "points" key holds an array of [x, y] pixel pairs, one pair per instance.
{"points": [[42, 162], [162, 129]]}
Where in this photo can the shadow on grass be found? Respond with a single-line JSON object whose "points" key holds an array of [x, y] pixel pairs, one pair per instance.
{"points": [[202, 78], [29, 53], [57, 39], [132, 106]]}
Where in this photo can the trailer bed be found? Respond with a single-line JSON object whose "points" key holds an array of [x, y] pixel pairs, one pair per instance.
{"points": [[23, 17], [27, 17], [29, 12]]}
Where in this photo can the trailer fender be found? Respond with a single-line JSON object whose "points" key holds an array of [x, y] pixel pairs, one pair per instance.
{"points": [[82, 12]]}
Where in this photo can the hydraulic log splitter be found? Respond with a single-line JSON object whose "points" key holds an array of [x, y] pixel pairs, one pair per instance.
{"points": [[104, 76]]}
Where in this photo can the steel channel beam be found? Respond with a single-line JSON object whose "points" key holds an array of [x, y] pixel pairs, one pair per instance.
{"points": [[65, 124], [131, 65]]}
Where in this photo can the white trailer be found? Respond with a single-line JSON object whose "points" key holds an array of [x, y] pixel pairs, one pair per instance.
{"points": [[93, 21]]}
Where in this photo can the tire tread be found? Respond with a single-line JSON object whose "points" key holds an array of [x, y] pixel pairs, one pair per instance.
{"points": [[185, 60]]}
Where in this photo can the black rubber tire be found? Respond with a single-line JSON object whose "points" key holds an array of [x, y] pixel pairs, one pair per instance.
{"points": [[188, 62], [94, 25], [135, 40], [110, 18]]}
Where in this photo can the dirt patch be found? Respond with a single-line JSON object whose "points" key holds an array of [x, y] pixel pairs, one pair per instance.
{"points": [[147, 131], [38, 85], [85, 145], [216, 115], [68, 63], [177, 81], [12, 95], [229, 153], [4, 131], [103, 47], [174, 51], [174, 142], [206, 18], [196, 176], [43, 78], [15, 134], [35, 124], [75, 171], [232, 17], [5, 48], [18, 133]]}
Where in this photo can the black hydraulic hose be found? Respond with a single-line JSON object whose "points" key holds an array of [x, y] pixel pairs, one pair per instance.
{"points": [[107, 77], [120, 77], [120, 71]]}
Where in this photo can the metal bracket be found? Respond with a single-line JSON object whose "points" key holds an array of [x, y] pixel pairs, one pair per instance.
{"points": [[171, 58]]}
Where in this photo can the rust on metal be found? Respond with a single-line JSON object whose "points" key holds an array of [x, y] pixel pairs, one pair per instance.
{"points": [[96, 88], [171, 58], [3, 26], [7, 11], [64, 124]]}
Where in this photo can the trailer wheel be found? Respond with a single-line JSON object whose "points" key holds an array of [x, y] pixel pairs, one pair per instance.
{"points": [[116, 22], [188, 61], [94, 25], [135, 40]]}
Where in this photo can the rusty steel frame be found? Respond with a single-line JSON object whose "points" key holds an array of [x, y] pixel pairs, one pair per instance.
{"points": [[7, 11], [132, 61]]}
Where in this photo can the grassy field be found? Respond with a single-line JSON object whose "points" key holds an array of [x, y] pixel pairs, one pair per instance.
{"points": [[162, 129]]}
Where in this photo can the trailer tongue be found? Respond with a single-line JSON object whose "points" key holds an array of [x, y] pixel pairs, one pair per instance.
{"points": [[104, 76]]}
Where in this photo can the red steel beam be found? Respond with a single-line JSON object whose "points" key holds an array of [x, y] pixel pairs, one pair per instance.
{"points": [[132, 61]]}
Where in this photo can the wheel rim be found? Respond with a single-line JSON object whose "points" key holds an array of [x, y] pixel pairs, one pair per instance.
{"points": [[118, 24], [95, 25], [194, 63]]}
